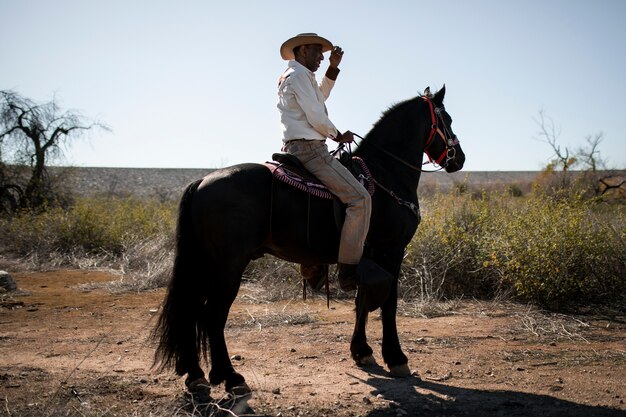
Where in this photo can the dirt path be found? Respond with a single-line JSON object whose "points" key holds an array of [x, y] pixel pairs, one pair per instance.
{"points": [[69, 351]]}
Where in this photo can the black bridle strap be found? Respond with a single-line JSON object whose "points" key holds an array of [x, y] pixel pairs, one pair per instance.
{"points": [[415, 209]]}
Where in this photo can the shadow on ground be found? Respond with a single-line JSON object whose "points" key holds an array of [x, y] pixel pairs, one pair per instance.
{"points": [[422, 398]]}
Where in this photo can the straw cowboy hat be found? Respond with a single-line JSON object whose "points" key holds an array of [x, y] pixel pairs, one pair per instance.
{"points": [[286, 49]]}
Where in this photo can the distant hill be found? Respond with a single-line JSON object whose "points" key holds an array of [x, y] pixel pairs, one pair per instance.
{"points": [[477, 179], [161, 182], [169, 182]]}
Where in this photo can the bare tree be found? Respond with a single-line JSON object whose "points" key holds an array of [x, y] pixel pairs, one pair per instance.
{"points": [[562, 161], [589, 155], [594, 177], [31, 135]]}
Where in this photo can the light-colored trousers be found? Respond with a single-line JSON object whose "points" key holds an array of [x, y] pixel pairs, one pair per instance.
{"points": [[316, 158]]}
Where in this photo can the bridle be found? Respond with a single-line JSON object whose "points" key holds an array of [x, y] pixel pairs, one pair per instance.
{"points": [[449, 139], [436, 133]]}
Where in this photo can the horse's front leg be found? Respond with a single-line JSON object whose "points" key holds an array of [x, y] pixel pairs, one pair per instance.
{"points": [[395, 359], [360, 350]]}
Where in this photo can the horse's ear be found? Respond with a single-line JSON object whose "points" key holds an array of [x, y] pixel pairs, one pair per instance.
{"points": [[427, 92], [438, 98]]}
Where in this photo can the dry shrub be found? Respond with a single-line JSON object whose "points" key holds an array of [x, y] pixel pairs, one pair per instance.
{"points": [[556, 252], [272, 279], [608, 185], [444, 258], [551, 326], [132, 236], [94, 226], [145, 265]]}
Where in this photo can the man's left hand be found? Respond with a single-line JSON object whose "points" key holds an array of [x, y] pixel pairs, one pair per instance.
{"points": [[335, 57], [345, 137]]}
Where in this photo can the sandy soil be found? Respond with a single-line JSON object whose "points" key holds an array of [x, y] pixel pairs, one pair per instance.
{"points": [[65, 350]]}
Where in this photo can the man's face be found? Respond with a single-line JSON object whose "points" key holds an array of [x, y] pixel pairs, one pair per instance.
{"points": [[313, 56]]}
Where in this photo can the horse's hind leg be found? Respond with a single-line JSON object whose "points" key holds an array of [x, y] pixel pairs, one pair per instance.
{"points": [[221, 367], [216, 314]]}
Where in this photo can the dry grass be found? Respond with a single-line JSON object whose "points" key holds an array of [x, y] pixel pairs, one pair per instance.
{"points": [[550, 326], [429, 307], [275, 319], [226, 406]]}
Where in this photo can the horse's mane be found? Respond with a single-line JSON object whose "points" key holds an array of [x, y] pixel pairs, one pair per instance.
{"points": [[391, 112]]}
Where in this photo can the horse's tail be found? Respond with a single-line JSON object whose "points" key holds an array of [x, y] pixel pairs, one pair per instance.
{"points": [[178, 341]]}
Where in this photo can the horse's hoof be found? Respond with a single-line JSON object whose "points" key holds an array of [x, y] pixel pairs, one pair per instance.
{"points": [[400, 371], [366, 361], [241, 391], [200, 391]]}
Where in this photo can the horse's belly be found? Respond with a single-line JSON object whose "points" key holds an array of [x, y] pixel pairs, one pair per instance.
{"points": [[303, 230]]}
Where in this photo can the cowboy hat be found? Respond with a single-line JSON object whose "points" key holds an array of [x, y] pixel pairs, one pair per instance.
{"points": [[286, 49]]}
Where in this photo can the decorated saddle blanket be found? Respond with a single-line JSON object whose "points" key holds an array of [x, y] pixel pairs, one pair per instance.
{"points": [[298, 177]]}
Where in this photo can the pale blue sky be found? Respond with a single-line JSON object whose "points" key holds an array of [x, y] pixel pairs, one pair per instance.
{"points": [[192, 84]]}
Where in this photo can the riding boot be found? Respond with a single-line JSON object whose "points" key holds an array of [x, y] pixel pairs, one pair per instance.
{"points": [[347, 276]]}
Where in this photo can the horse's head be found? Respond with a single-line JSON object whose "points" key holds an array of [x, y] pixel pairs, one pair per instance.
{"points": [[442, 145], [405, 132]]}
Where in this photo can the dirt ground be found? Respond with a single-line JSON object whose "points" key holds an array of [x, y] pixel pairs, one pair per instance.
{"points": [[66, 350]]}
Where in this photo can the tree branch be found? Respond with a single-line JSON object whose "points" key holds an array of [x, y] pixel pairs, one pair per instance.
{"points": [[37, 131], [608, 186]]}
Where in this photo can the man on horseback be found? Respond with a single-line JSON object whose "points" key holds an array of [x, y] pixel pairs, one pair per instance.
{"points": [[306, 126]]}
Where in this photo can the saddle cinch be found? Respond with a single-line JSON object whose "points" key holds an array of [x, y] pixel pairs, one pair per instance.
{"points": [[288, 169]]}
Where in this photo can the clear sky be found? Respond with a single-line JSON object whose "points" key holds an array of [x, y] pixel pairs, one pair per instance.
{"points": [[192, 84]]}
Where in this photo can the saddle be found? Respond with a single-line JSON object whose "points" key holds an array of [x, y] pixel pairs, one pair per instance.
{"points": [[288, 169]]}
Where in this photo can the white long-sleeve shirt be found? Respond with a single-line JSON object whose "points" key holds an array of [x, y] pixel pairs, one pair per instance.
{"points": [[303, 114]]}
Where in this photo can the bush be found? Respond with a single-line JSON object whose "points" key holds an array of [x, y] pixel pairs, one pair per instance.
{"points": [[93, 226], [446, 255], [556, 252], [561, 252]]}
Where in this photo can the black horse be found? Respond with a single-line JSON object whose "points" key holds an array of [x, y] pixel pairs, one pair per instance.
{"points": [[240, 213]]}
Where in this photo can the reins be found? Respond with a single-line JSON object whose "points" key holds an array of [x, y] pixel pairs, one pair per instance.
{"points": [[397, 158], [386, 152]]}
